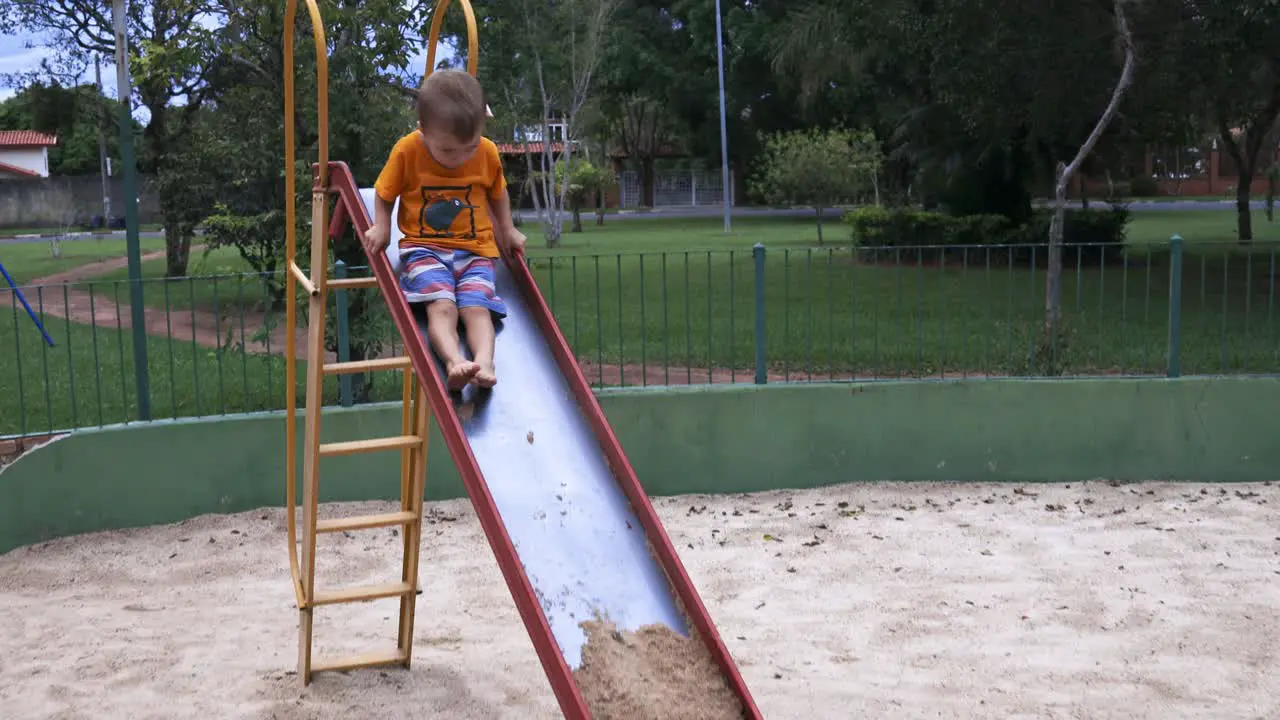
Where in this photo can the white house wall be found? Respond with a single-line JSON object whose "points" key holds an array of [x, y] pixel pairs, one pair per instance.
{"points": [[34, 159]]}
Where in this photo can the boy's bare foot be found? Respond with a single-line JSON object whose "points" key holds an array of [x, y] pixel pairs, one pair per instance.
{"points": [[461, 373], [486, 377]]}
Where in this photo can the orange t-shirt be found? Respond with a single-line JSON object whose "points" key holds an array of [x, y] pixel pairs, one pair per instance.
{"points": [[440, 206]]}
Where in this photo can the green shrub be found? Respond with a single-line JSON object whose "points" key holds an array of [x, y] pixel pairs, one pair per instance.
{"points": [[980, 230], [1143, 187], [1090, 236], [946, 237], [878, 231]]}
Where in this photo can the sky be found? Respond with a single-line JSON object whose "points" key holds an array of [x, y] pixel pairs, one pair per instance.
{"points": [[17, 57]]}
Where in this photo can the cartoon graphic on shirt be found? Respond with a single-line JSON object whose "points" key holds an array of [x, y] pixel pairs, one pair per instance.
{"points": [[441, 207]]}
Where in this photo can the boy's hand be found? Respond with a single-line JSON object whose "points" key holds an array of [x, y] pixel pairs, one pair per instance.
{"points": [[377, 239], [515, 239]]}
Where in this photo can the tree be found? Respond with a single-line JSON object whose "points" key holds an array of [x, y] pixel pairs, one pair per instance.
{"points": [[586, 182], [975, 101], [643, 129], [368, 113], [74, 114], [541, 61], [169, 50], [1223, 56], [1053, 278], [819, 168]]}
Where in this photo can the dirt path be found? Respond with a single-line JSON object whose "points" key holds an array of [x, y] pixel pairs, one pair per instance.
{"points": [[205, 328], [97, 269]]}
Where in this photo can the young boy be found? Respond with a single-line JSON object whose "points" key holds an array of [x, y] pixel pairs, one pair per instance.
{"points": [[454, 215]]}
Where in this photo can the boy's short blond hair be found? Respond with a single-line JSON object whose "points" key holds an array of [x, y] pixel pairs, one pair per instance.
{"points": [[452, 101]]}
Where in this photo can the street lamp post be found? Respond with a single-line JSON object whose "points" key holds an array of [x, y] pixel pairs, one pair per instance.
{"points": [[130, 172], [724, 136]]}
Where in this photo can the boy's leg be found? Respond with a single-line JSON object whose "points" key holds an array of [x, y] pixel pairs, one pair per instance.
{"points": [[427, 276], [480, 336], [478, 304]]}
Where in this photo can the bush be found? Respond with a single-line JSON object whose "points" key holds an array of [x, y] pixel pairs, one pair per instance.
{"points": [[898, 227], [1143, 187], [1090, 236], [875, 228]]}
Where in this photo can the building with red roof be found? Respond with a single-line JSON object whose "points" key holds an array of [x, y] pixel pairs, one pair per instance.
{"points": [[25, 154]]}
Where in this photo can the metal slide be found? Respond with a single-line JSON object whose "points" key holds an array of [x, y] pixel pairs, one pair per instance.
{"points": [[572, 529]]}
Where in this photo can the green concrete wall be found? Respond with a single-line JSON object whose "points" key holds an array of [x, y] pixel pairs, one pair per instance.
{"points": [[690, 440]]}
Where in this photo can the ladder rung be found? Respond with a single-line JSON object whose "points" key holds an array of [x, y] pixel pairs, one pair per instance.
{"points": [[362, 593], [400, 442], [369, 659], [365, 522], [351, 283], [302, 279], [360, 366]]}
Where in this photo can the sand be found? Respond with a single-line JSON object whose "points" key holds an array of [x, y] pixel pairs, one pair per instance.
{"points": [[901, 601], [653, 673]]}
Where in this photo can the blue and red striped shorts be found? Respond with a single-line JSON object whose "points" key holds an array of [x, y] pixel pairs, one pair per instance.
{"points": [[433, 273]]}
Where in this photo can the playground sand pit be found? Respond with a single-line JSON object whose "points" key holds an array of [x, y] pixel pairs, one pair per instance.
{"points": [[902, 601], [653, 673]]}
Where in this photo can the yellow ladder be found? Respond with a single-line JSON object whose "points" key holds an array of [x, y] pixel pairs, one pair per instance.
{"points": [[415, 414], [411, 443]]}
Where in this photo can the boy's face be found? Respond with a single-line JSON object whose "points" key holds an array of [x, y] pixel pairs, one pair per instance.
{"points": [[448, 149]]}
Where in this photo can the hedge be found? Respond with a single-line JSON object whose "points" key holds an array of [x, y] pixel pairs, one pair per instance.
{"points": [[1089, 236]]}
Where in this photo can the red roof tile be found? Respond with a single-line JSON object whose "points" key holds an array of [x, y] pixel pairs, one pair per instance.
{"points": [[26, 138], [533, 148]]}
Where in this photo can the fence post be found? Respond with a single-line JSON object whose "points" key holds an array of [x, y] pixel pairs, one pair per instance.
{"points": [[344, 336], [1174, 367], [762, 370]]}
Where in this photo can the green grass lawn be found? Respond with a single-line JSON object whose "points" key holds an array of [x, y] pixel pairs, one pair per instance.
{"points": [[217, 280], [87, 378], [27, 261], [14, 232], [675, 292]]}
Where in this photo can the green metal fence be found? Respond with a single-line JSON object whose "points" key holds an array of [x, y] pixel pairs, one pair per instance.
{"points": [[215, 343]]}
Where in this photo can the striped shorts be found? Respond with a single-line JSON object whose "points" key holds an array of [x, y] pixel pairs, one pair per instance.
{"points": [[433, 273]]}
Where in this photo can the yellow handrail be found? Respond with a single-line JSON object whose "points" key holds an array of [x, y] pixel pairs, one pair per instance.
{"points": [[291, 315], [473, 41]]}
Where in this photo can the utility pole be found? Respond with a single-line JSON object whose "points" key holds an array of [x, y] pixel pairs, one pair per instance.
{"points": [[724, 134], [138, 316], [102, 144]]}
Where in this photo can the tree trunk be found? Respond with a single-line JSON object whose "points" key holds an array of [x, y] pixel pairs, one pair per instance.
{"points": [[177, 248], [1244, 213], [600, 208], [577, 218], [819, 211], [647, 182], [1053, 278], [1272, 179]]}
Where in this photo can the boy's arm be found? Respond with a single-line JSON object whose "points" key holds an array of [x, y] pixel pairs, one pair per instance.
{"points": [[386, 186], [505, 232], [378, 237]]}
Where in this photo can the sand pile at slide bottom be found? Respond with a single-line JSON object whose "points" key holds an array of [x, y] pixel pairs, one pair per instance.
{"points": [[651, 674]]}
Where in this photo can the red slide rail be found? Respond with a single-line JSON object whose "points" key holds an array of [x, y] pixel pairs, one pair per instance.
{"points": [[351, 209]]}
